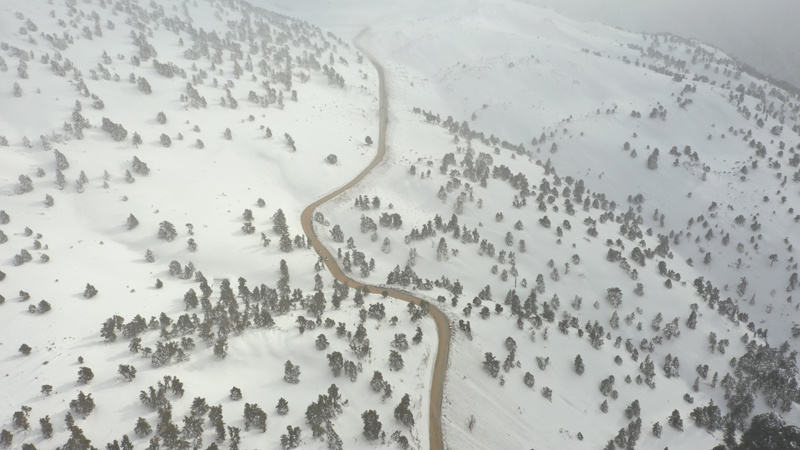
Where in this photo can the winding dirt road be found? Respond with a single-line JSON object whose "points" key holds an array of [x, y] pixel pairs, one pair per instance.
{"points": [[442, 322]]}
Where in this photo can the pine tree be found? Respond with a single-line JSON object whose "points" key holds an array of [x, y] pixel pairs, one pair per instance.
{"points": [[69, 420], [142, 427], [491, 364], [633, 410], [139, 166], [46, 426], [279, 222], [282, 407], [691, 322], [25, 184], [83, 405], [579, 368], [657, 430], [441, 250], [127, 371], [528, 379], [336, 363], [166, 231], [675, 420], [614, 296], [395, 360], [85, 375], [402, 412], [322, 342], [291, 439], [291, 373], [235, 438], [190, 299], [132, 222], [652, 160], [77, 439], [337, 234], [769, 431], [334, 441], [6, 437], [372, 425], [417, 336], [377, 383], [61, 160], [400, 343], [255, 417], [221, 347], [285, 243], [20, 419]]}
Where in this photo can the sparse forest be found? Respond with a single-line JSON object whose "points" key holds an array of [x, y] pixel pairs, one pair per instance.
{"points": [[604, 219]]}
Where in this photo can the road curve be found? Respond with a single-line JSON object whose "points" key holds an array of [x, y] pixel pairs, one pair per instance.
{"points": [[442, 322]]}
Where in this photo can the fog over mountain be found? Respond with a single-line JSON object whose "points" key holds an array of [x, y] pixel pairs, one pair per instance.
{"points": [[762, 34]]}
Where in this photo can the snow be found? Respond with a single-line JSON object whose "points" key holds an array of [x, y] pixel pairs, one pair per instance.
{"points": [[456, 59], [522, 71], [86, 238]]}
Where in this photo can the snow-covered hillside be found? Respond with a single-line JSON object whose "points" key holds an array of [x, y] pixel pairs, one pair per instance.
{"points": [[146, 153], [606, 217], [532, 127]]}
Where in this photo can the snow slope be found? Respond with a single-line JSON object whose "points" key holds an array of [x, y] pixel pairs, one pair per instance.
{"points": [[527, 112], [509, 70], [86, 237]]}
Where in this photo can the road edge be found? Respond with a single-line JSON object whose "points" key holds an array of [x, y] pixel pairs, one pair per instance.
{"points": [[439, 372]]}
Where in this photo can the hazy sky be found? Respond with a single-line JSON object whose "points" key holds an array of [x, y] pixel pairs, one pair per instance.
{"points": [[762, 33]]}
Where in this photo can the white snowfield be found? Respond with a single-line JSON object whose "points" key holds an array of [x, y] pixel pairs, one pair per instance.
{"points": [[86, 237], [545, 126], [517, 72]]}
